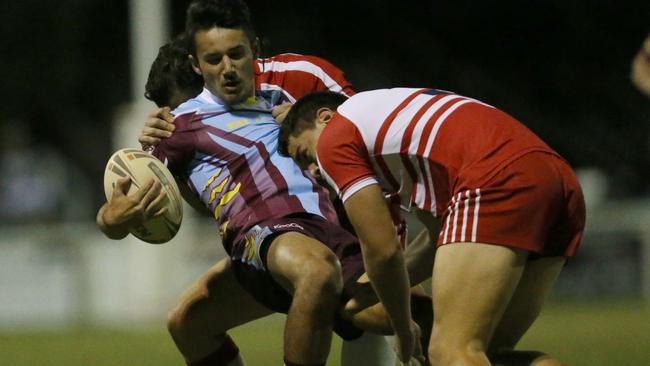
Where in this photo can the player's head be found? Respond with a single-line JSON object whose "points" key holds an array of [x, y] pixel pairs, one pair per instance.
{"points": [[223, 47], [171, 78], [304, 123]]}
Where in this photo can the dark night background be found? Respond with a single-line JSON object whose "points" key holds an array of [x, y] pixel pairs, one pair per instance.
{"points": [[560, 67]]}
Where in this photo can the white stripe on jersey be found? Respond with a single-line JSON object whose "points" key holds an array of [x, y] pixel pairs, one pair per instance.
{"points": [[477, 205], [425, 179], [440, 121], [368, 111], [419, 127], [306, 66], [453, 232], [465, 209], [393, 140], [380, 102]]}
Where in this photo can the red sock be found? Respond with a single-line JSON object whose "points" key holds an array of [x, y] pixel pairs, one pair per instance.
{"points": [[227, 352]]}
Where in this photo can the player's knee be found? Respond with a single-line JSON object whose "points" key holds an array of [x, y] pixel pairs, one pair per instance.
{"points": [[321, 276], [180, 324], [184, 328]]}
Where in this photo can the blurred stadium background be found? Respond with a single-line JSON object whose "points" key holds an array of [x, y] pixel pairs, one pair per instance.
{"points": [[72, 81]]}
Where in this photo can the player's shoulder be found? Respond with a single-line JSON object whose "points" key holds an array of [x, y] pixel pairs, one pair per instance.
{"points": [[295, 61], [294, 57], [378, 101]]}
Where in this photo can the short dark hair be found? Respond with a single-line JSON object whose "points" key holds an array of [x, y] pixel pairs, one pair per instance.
{"points": [[302, 115], [207, 14], [171, 73]]}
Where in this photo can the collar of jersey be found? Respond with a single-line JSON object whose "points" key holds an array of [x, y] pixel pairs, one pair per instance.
{"points": [[263, 101]]}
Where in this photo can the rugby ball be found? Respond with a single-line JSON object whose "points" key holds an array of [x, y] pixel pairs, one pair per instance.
{"points": [[141, 167]]}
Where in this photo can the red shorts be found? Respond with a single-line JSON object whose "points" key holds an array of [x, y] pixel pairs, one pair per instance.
{"points": [[534, 203]]}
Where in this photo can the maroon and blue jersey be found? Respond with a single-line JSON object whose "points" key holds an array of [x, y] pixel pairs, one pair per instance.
{"points": [[228, 156]]}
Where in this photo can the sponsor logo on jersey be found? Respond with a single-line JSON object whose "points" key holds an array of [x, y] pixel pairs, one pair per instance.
{"points": [[291, 225]]}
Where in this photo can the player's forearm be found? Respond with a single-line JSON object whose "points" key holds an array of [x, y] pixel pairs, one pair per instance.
{"points": [[382, 253], [115, 232], [389, 278]]}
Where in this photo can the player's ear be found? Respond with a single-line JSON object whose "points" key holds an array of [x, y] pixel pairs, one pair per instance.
{"points": [[195, 65], [324, 115]]}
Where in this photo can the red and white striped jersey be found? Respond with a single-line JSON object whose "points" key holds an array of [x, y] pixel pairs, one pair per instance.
{"points": [[423, 144], [296, 75]]}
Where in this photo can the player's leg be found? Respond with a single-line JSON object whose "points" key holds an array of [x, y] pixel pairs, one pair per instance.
{"points": [[562, 230], [534, 287], [214, 303], [312, 274], [472, 285]]}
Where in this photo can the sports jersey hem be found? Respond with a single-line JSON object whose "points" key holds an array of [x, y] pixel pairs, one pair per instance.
{"points": [[505, 163]]}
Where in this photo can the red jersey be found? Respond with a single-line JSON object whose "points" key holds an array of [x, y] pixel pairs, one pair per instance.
{"points": [[296, 75], [419, 143]]}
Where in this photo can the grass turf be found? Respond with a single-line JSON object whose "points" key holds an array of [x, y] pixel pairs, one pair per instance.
{"points": [[593, 334]]}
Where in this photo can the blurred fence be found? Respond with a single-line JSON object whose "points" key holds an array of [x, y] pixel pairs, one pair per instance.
{"points": [[70, 274]]}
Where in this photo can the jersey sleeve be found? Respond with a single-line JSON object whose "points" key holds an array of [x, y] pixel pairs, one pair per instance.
{"points": [[298, 75], [177, 151], [331, 77], [343, 158]]}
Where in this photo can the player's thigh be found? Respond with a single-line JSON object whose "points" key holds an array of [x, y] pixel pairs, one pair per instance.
{"points": [[294, 257], [471, 286], [217, 301], [534, 287]]}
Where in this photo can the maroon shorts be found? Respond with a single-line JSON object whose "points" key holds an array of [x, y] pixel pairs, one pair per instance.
{"points": [[534, 203], [249, 250]]}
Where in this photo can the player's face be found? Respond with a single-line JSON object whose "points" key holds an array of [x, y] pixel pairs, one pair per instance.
{"points": [[224, 58], [302, 148]]}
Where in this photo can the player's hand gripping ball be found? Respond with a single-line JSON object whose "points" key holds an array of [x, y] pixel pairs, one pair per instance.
{"points": [[142, 167]]}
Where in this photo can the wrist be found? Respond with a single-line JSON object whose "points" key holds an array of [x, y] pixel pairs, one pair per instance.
{"points": [[111, 229], [107, 220]]}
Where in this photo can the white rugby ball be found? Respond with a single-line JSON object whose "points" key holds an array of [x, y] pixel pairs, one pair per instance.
{"points": [[141, 167]]}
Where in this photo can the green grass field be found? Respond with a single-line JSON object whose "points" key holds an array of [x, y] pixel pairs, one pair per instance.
{"points": [[612, 333]]}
